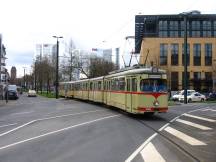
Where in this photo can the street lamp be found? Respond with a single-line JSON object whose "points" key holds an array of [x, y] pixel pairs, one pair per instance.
{"points": [[185, 16], [57, 55], [24, 78]]}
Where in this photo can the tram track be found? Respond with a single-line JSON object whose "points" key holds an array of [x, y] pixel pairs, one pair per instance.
{"points": [[159, 132]]}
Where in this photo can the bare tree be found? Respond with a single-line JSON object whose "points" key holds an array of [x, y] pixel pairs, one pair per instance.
{"points": [[100, 67]]}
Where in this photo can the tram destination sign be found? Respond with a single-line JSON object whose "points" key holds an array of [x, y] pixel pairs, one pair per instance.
{"points": [[154, 76]]}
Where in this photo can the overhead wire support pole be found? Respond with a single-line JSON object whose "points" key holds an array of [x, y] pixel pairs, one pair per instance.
{"points": [[185, 59], [57, 66]]}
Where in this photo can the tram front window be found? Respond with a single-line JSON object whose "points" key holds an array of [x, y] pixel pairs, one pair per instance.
{"points": [[153, 85]]}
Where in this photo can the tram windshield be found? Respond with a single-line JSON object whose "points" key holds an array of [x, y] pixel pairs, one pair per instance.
{"points": [[153, 85]]}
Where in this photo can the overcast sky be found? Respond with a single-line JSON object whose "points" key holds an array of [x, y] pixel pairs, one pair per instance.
{"points": [[24, 23]]}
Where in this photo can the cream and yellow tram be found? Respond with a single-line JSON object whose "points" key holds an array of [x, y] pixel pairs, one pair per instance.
{"points": [[138, 91]]}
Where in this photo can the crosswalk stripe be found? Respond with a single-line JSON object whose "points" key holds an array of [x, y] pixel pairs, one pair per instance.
{"points": [[193, 124], [198, 117], [150, 154], [208, 110], [188, 139]]}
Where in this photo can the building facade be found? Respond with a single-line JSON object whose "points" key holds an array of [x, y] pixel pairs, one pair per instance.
{"points": [[44, 50], [3, 71], [160, 41]]}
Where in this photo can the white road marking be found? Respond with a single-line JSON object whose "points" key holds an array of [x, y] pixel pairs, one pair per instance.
{"points": [[132, 156], [7, 125], [208, 110], [41, 119], [57, 131], [150, 154], [174, 119], [12, 130], [198, 117], [20, 113], [184, 137], [60, 116], [193, 124], [162, 128]]}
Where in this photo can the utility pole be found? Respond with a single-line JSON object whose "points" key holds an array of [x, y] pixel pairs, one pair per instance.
{"points": [[0, 56], [71, 69], [24, 78], [57, 66], [185, 59], [35, 79]]}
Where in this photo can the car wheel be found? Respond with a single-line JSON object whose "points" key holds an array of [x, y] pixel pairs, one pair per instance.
{"points": [[189, 100], [202, 99]]}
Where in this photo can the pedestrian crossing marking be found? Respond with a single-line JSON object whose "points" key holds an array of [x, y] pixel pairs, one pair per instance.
{"points": [[150, 154], [184, 137], [198, 117], [202, 127]]}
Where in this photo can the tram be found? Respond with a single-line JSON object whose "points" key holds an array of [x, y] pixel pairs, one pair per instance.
{"points": [[137, 90]]}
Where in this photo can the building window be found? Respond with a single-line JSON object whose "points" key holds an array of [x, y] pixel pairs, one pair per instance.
{"points": [[173, 25], [174, 54], [163, 29], [163, 54], [208, 81], [208, 54], [195, 26], [188, 54], [197, 54], [214, 27], [163, 25], [163, 33], [206, 28], [174, 81], [173, 28], [173, 33], [197, 81]]}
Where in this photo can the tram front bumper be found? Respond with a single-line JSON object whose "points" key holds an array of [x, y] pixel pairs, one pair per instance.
{"points": [[153, 109]]}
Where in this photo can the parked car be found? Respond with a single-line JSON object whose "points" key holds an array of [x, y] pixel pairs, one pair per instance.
{"points": [[179, 94], [12, 92], [32, 93], [192, 97], [211, 97]]}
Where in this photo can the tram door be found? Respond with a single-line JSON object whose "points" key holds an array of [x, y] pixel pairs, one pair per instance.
{"points": [[128, 96]]}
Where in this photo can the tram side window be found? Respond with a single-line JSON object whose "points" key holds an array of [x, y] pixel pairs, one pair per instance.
{"points": [[134, 84], [99, 85], [128, 84], [91, 86], [121, 82]]}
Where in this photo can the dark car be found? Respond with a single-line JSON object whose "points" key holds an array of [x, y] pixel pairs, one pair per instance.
{"points": [[211, 97], [12, 92]]}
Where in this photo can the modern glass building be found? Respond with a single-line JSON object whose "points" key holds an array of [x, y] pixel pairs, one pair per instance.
{"points": [[160, 41]]}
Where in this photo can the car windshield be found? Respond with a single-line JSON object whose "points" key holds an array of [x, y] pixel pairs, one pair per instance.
{"points": [[153, 85]]}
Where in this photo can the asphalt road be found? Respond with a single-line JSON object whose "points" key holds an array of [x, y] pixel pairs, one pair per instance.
{"points": [[41, 130]]}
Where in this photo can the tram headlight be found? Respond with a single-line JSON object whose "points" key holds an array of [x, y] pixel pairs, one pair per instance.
{"points": [[156, 103]]}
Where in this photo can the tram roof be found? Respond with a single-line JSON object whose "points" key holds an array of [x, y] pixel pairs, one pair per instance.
{"points": [[144, 70]]}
